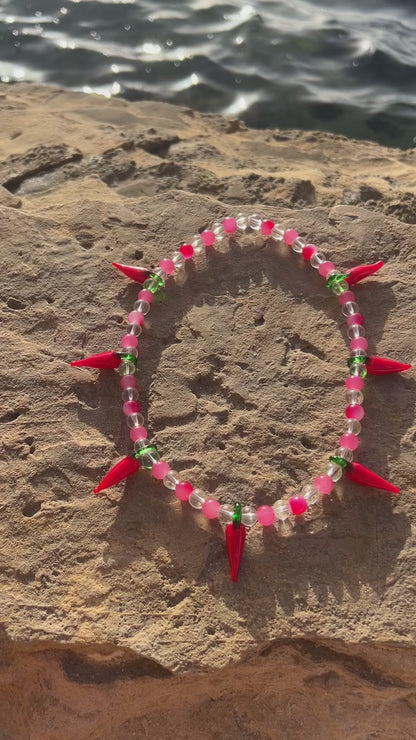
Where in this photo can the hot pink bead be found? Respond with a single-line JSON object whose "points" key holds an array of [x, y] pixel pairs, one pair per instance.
{"points": [[138, 433], [359, 343], [145, 295], [211, 508], [230, 225], [266, 227], [186, 251], [160, 469], [298, 505], [354, 383], [354, 411], [325, 267], [208, 237], [349, 440], [167, 265], [131, 407], [308, 251], [324, 484], [135, 317], [289, 236], [129, 340], [183, 490], [355, 318], [128, 381], [346, 297], [265, 515]]}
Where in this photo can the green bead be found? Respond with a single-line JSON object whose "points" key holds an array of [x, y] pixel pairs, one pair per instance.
{"points": [[357, 363], [153, 283], [334, 279], [142, 455], [237, 515], [128, 358], [339, 461]]}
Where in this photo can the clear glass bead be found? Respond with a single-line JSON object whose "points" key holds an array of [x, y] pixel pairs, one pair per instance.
{"points": [[254, 222], [132, 351], [135, 420], [350, 307], [281, 510], [140, 443], [298, 244], [311, 494], [358, 353], [126, 367], [317, 259], [134, 329], [353, 426], [142, 306], [171, 479], [248, 516], [355, 331], [277, 232], [219, 231], [197, 498], [345, 453], [226, 513], [354, 397], [334, 471], [198, 244], [162, 274], [241, 221], [130, 394], [178, 260]]}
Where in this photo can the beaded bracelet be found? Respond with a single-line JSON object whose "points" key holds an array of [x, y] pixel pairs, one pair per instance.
{"points": [[239, 518]]}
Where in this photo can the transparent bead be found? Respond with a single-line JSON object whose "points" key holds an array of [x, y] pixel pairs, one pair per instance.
{"points": [[354, 397], [198, 244], [298, 244], [254, 222], [317, 259], [226, 513], [135, 420], [162, 274], [311, 494], [142, 306], [334, 471], [241, 221], [134, 329], [178, 260], [358, 353], [219, 231], [140, 444], [126, 367], [277, 233], [171, 480], [345, 453], [132, 351], [340, 287], [130, 394], [353, 426], [248, 516], [281, 510], [355, 331], [197, 498], [350, 307]]}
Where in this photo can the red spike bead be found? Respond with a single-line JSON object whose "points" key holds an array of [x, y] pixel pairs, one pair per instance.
{"points": [[139, 274], [235, 538], [125, 467], [362, 271], [383, 366], [103, 361], [365, 477]]}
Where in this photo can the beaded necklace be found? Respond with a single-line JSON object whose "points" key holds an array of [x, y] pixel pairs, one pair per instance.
{"points": [[237, 518]]}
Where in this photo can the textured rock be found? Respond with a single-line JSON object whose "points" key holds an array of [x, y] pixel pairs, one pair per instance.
{"points": [[242, 380]]}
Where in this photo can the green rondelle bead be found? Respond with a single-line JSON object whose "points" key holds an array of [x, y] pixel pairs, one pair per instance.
{"points": [[128, 358], [337, 460], [141, 454], [337, 283], [153, 283], [357, 362], [237, 513]]}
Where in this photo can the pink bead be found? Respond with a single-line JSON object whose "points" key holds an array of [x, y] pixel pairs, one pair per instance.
{"points": [[355, 318], [186, 250], [354, 383], [230, 225], [308, 251], [359, 343], [138, 433], [208, 237], [265, 515], [289, 236], [349, 440], [129, 340], [266, 227], [211, 508], [354, 411], [183, 490], [346, 297], [325, 267], [324, 484], [298, 505], [167, 265], [128, 381], [135, 317], [160, 469], [145, 295], [131, 407]]}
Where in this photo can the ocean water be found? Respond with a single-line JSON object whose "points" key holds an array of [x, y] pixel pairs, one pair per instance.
{"points": [[343, 66]]}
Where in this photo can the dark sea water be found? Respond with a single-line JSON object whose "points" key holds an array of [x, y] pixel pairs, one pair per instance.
{"points": [[347, 66]]}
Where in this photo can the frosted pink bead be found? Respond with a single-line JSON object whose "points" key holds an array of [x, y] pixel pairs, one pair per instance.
{"points": [[289, 236], [325, 267], [265, 515], [145, 295], [297, 505], [324, 484], [183, 490], [266, 227], [308, 251], [131, 407], [211, 508], [128, 381], [359, 343], [208, 237], [160, 469], [167, 265], [354, 383], [346, 297], [349, 440], [355, 318], [354, 411], [135, 317], [230, 225], [138, 433], [129, 340]]}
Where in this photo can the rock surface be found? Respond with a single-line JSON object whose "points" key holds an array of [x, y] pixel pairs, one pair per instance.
{"points": [[119, 618]]}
